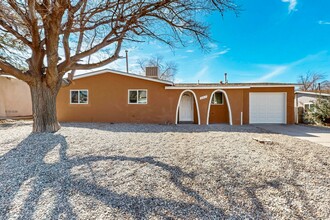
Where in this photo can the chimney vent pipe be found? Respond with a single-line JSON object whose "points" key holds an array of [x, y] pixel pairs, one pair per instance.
{"points": [[126, 51]]}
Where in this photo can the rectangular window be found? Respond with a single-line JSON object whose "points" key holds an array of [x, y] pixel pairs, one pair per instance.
{"points": [[309, 106], [137, 96], [217, 98], [79, 96]]}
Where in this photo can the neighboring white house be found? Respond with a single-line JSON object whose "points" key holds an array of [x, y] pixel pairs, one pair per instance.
{"points": [[15, 98], [305, 100]]}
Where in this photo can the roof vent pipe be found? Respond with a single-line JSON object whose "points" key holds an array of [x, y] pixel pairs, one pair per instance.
{"points": [[126, 51], [226, 80]]}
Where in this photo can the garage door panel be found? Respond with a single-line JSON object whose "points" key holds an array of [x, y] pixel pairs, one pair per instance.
{"points": [[267, 108]]}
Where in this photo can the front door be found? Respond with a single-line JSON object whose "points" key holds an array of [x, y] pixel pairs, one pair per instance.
{"points": [[186, 109]]}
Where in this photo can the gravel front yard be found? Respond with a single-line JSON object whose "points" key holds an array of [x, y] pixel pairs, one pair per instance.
{"points": [[121, 171]]}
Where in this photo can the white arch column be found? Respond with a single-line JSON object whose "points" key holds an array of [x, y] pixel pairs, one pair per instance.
{"points": [[196, 102], [228, 105]]}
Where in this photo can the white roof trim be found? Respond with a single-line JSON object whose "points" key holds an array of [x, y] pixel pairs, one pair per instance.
{"points": [[272, 86], [206, 87], [120, 73], [312, 93], [227, 87], [8, 76]]}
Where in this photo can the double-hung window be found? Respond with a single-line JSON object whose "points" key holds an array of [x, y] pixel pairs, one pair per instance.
{"points": [[138, 96], [79, 96], [217, 98]]}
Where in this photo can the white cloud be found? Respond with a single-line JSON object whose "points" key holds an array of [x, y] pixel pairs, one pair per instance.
{"points": [[324, 22], [216, 54], [200, 74], [212, 45], [277, 70], [189, 51], [292, 5], [223, 51], [203, 75]]}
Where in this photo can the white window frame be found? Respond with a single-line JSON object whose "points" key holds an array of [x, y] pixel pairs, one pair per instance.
{"points": [[309, 105], [137, 101], [214, 96], [78, 90]]}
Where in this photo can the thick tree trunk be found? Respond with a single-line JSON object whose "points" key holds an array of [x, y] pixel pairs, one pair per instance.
{"points": [[44, 108]]}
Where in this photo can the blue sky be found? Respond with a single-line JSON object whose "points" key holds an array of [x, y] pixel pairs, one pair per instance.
{"points": [[270, 41]]}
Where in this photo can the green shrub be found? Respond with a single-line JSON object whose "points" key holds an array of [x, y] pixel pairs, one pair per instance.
{"points": [[320, 113]]}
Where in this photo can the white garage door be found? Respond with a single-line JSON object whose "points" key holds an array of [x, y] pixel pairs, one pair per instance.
{"points": [[268, 107]]}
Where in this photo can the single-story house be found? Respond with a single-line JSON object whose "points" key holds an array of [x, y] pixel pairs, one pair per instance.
{"points": [[15, 98], [305, 100], [115, 96]]}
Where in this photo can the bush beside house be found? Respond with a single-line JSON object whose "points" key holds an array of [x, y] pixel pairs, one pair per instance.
{"points": [[319, 113]]}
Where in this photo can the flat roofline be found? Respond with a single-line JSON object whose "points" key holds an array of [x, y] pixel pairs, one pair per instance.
{"points": [[207, 87], [284, 85], [312, 93], [229, 87]]}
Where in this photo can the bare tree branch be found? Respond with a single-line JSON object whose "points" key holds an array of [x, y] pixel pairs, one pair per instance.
{"points": [[167, 70], [310, 80], [42, 40], [7, 68]]}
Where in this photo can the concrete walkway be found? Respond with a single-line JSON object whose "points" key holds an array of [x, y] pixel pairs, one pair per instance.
{"points": [[317, 135]]}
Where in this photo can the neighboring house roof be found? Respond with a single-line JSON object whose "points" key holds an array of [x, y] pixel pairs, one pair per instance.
{"points": [[313, 93], [94, 73]]}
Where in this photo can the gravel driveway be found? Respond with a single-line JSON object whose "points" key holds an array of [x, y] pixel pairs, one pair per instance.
{"points": [[121, 171]]}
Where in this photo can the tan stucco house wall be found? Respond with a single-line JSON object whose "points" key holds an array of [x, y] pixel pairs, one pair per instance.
{"points": [[15, 98], [108, 100]]}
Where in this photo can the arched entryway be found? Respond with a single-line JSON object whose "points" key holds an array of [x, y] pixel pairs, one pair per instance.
{"points": [[219, 110], [187, 110]]}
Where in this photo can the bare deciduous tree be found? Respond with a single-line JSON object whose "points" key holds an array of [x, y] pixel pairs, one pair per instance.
{"points": [[56, 37], [167, 70], [310, 81]]}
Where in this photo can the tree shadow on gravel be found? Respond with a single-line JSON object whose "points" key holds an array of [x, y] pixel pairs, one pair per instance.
{"points": [[25, 176], [24, 166], [25, 172], [245, 197]]}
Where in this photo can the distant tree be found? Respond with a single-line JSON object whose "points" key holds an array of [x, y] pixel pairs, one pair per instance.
{"points": [[310, 81], [60, 36], [167, 70], [325, 87]]}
